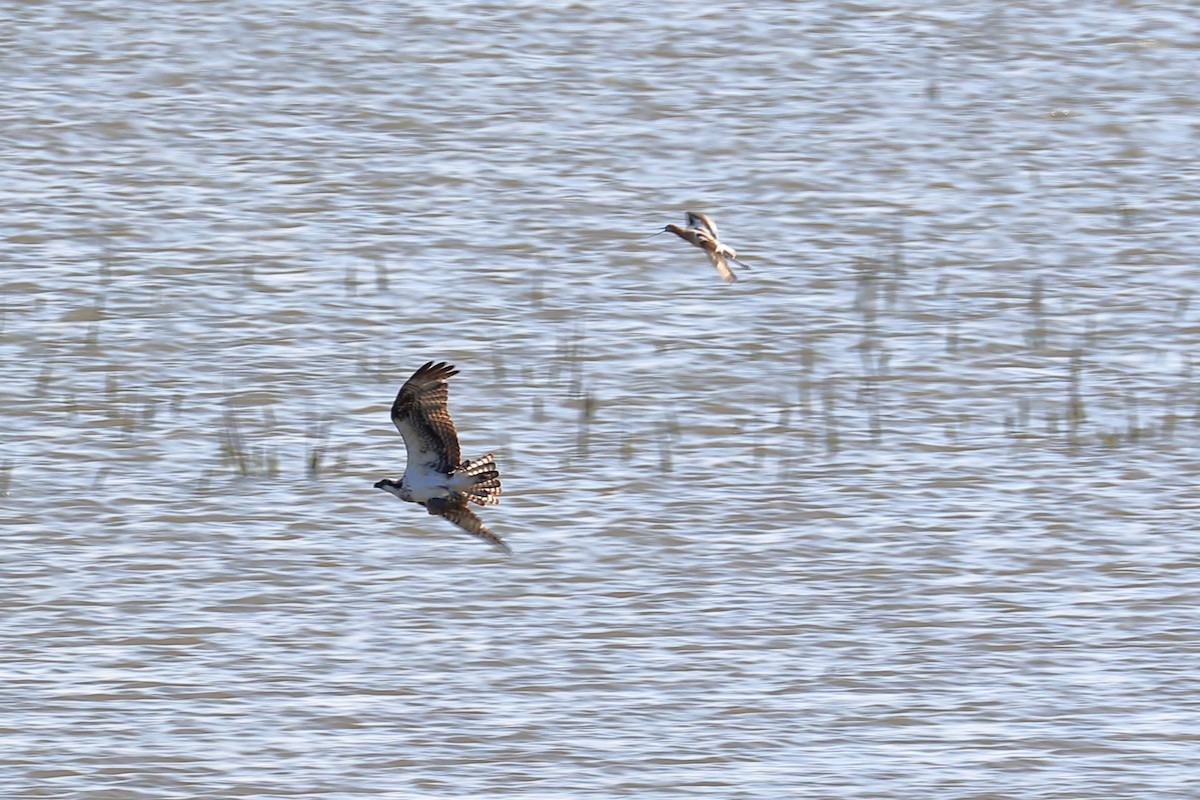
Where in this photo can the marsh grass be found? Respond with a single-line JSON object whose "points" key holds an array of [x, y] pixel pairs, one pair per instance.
{"points": [[587, 409], [1076, 412], [668, 435], [44, 378], [237, 452], [318, 438], [832, 436], [536, 291]]}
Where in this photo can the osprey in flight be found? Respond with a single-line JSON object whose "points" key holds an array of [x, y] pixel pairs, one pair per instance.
{"points": [[702, 232], [436, 476]]}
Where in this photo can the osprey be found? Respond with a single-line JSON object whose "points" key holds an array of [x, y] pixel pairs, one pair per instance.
{"points": [[702, 232], [436, 476]]}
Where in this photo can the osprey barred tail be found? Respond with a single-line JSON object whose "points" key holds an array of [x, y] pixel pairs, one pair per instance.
{"points": [[436, 476]]}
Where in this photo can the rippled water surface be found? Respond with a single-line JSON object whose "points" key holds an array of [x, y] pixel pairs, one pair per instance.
{"points": [[909, 511]]}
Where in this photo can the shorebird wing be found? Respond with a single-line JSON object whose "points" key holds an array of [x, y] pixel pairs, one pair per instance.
{"points": [[697, 220], [463, 517], [722, 264], [421, 414]]}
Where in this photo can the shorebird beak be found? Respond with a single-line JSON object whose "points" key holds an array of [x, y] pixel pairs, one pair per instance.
{"points": [[651, 236]]}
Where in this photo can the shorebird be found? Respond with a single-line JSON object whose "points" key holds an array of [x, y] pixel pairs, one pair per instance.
{"points": [[435, 476], [702, 232]]}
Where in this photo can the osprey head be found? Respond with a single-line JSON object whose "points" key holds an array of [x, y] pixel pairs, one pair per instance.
{"points": [[389, 486]]}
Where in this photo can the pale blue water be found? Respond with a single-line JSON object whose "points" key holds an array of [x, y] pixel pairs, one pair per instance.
{"points": [[909, 511]]}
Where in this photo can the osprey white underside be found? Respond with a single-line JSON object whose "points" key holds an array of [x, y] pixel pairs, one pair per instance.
{"points": [[422, 484]]}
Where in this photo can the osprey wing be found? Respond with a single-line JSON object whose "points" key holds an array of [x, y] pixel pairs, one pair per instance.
{"points": [[421, 414], [463, 517]]}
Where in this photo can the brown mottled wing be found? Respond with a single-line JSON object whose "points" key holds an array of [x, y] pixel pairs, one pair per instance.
{"points": [[421, 415], [697, 220], [460, 515]]}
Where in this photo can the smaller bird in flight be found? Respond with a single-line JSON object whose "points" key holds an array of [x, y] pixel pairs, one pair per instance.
{"points": [[436, 476], [702, 232]]}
